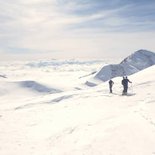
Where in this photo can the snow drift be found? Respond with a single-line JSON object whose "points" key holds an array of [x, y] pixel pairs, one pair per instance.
{"points": [[139, 60], [35, 86], [3, 76], [25, 87]]}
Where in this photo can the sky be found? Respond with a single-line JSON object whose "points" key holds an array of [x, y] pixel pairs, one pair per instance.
{"points": [[69, 29]]}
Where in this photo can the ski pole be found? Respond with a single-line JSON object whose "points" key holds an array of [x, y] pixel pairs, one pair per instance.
{"points": [[131, 88]]}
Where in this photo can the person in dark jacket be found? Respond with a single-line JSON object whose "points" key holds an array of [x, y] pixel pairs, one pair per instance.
{"points": [[110, 85], [125, 82]]}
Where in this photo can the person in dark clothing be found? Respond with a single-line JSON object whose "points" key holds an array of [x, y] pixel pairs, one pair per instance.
{"points": [[125, 82], [110, 85]]}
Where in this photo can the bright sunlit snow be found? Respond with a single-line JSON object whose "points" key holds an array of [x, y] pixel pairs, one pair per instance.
{"points": [[47, 109]]}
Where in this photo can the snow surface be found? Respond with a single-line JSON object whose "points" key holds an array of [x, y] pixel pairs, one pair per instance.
{"points": [[136, 62], [74, 119]]}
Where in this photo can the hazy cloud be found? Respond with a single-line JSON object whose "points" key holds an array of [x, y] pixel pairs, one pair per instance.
{"points": [[75, 27]]}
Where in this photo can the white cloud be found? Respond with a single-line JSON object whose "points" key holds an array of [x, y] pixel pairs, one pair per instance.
{"points": [[46, 25]]}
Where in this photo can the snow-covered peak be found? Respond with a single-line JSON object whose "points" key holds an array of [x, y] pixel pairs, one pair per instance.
{"points": [[140, 59], [137, 61]]}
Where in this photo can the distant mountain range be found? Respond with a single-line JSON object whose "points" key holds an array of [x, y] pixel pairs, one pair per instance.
{"points": [[138, 61]]}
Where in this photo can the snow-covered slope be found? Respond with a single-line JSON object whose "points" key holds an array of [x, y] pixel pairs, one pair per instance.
{"points": [[137, 61], [89, 121]]}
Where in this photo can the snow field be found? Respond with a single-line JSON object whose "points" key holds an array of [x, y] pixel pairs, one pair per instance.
{"points": [[87, 120]]}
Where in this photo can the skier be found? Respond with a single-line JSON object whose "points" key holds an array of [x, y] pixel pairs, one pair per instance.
{"points": [[125, 82], [110, 85]]}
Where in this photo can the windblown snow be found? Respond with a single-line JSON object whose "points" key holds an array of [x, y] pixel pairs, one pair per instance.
{"points": [[46, 109]]}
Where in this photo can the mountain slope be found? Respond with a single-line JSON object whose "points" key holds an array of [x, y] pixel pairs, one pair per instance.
{"points": [[137, 61]]}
